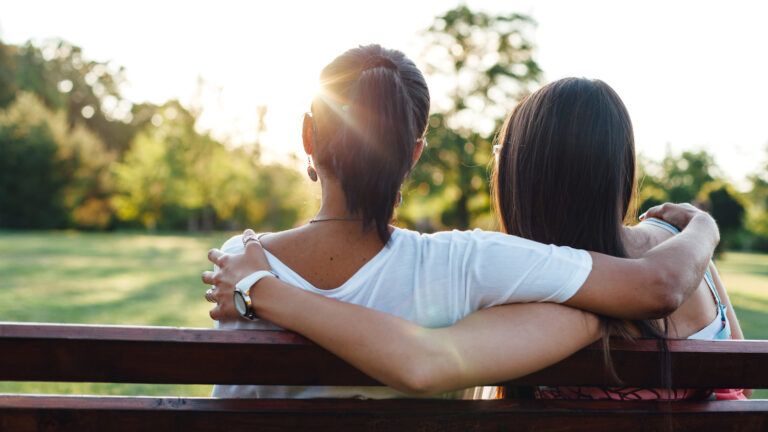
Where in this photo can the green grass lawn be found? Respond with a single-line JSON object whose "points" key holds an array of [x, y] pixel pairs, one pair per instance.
{"points": [[129, 278], [106, 278]]}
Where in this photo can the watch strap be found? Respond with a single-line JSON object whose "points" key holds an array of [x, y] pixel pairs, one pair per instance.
{"points": [[245, 284]]}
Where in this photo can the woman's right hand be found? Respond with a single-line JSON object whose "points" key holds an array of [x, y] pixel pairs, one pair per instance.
{"points": [[254, 252], [232, 269]]}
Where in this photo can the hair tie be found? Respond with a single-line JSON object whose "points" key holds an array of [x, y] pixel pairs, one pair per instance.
{"points": [[378, 61]]}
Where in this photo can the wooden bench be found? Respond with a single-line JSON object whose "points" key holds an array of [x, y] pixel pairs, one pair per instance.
{"points": [[79, 353]]}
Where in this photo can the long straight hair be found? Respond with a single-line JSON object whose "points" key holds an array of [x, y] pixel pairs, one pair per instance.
{"points": [[565, 175]]}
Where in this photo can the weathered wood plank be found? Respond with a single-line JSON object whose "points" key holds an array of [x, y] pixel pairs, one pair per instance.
{"points": [[51, 352], [83, 414]]}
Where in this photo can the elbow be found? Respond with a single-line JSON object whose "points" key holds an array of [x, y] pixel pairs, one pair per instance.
{"points": [[668, 295], [431, 365], [666, 305], [418, 381]]}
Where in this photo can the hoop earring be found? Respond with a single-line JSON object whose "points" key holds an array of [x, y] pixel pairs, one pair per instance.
{"points": [[399, 200], [311, 171]]}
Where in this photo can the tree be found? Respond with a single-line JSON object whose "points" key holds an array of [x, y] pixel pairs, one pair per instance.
{"points": [[650, 191], [30, 186], [141, 180], [88, 91], [174, 177], [164, 180], [487, 63], [51, 175], [677, 178], [728, 208], [450, 181], [757, 210], [693, 177], [7, 75], [684, 175]]}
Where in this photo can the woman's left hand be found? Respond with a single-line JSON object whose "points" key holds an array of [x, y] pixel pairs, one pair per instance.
{"points": [[232, 269]]}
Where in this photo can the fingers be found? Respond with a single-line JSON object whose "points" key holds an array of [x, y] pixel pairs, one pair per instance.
{"points": [[652, 212], [679, 215], [224, 310], [660, 211], [250, 238], [215, 313], [252, 246], [208, 277], [211, 278], [209, 296], [248, 235], [222, 296], [217, 257]]}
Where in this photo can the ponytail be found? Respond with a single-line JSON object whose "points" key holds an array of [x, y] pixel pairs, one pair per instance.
{"points": [[375, 129]]}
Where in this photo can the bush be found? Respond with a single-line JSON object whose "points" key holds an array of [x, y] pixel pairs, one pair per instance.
{"points": [[51, 175]]}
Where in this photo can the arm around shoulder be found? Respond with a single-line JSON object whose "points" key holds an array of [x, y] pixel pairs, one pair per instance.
{"points": [[499, 344], [656, 284], [489, 346]]}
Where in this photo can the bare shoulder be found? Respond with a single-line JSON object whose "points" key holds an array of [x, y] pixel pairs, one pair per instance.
{"points": [[643, 237], [235, 243], [276, 239]]}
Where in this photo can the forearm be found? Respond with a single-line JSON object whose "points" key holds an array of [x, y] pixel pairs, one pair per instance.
{"points": [[654, 285], [387, 348], [489, 346], [680, 262]]}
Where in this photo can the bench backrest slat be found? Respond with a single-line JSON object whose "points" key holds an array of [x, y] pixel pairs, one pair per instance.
{"points": [[85, 414], [82, 353]]}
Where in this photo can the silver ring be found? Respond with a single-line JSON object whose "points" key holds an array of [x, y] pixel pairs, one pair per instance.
{"points": [[209, 296], [250, 239]]}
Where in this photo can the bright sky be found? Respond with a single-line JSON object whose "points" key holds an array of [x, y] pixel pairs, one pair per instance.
{"points": [[693, 74]]}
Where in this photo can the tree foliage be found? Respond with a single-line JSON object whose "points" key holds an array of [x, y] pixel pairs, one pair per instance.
{"points": [[693, 176], [757, 209], [29, 175], [486, 62], [88, 91], [75, 153], [7, 75], [53, 175], [677, 178], [174, 176]]}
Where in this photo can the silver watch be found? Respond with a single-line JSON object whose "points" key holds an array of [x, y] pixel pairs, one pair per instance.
{"points": [[242, 297]]}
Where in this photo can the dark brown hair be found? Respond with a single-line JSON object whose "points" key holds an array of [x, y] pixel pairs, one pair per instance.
{"points": [[372, 108], [565, 175]]}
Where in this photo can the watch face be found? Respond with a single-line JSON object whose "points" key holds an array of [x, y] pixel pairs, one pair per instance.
{"points": [[240, 305]]}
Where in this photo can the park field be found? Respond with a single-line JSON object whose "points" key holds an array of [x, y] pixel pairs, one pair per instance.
{"points": [[141, 279]]}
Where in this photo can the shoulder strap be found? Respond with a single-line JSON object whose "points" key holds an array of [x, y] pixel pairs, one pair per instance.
{"points": [[662, 224], [712, 287], [707, 275]]}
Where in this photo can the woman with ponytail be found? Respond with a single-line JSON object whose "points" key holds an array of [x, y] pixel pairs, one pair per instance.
{"points": [[362, 137]]}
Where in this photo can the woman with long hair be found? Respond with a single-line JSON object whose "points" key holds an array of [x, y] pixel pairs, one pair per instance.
{"points": [[363, 135], [565, 175]]}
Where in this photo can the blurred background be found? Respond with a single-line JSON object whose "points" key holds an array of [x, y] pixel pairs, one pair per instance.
{"points": [[135, 136]]}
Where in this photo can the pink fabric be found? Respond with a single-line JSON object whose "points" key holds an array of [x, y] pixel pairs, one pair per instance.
{"points": [[730, 394], [636, 393], [621, 394]]}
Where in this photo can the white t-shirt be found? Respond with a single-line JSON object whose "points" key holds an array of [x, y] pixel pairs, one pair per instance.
{"points": [[433, 280]]}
